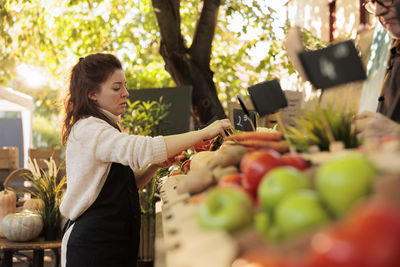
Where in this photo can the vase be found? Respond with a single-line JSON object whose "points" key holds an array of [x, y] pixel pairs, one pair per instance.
{"points": [[147, 238], [51, 233]]}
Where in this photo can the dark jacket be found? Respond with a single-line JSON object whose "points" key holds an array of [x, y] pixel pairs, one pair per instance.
{"points": [[389, 99]]}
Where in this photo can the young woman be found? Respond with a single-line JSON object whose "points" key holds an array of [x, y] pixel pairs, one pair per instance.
{"points": [[102, 164]]}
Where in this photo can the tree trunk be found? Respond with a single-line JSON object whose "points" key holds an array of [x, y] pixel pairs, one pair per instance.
{"points": [[191, 66]]}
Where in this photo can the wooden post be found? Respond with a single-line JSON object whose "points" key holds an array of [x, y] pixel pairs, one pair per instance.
{"points": [[332, 19]]}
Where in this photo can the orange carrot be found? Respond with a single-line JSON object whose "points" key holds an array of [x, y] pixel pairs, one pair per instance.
{"points": [[279, 146], [270, 136]]}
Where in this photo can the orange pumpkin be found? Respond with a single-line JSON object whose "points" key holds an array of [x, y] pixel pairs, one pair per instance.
{"points": [[8, 204]]}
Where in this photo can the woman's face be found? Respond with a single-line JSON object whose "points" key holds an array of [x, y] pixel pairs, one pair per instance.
{"points": [[389, 19], [113, 94]]}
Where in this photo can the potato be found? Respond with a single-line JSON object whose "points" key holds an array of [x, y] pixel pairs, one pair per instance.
{"points": [[203, 159], [230, 155], [196, 181], [220, 172]]}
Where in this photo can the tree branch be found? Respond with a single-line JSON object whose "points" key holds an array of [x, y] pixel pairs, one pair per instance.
{"points": [[169, 20], [200, 50]]}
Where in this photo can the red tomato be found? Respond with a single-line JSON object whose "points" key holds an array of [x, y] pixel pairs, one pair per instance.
{"points": [[233, 179], [369, 237], [255, 165], [185, 167], [177, 158], [295, 160], [203, 145]]}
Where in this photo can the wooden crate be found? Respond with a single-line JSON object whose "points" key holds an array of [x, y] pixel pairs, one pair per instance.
{"points": [[44, 154], [9, 158]]}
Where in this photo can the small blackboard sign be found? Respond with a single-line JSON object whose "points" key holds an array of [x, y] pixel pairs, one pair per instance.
{"points": [[333, 65], [267, 97], [178, 118], [241, 120]]}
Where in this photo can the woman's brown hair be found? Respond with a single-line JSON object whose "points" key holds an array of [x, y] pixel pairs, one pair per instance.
{"points": [[86, 77]]}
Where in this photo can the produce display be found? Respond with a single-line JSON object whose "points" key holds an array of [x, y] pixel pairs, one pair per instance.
{"points": [[281, 208]]}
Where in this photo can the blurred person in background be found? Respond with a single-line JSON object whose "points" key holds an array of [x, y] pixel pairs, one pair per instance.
{"points": [[385, 122]]}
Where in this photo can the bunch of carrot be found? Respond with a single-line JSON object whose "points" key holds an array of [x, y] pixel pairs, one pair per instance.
{"points": [[260, 140]]}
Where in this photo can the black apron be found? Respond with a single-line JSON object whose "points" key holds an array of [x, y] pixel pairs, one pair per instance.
{"points": [[108, 232]]}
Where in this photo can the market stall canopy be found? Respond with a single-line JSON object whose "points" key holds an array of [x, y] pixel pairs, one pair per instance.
{"points": [[10, 135]]}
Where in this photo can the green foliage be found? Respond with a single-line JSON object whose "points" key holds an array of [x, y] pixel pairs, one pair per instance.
{"points": [[234, 69], [312, 42], [45, 133], [145, 117], [54, 34], [49, 188], [318, 126]]}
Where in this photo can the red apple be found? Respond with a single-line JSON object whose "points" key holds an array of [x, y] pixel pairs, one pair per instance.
{"points": [[233, 179], [295, 160], [368, 237], [256, 164]]}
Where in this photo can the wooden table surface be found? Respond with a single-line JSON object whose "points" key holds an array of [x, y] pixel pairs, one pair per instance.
{"points": [[39, 243], [38, 246]]}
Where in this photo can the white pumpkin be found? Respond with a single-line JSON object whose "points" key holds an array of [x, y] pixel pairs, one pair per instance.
{"points": [[8, 204], [22, 226]]}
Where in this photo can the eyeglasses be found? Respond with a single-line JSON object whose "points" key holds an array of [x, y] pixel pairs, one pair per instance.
{"points": [[370, 6]]}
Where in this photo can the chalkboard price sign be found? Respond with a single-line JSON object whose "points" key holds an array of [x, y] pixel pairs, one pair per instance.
{"points": [[242, 121]]}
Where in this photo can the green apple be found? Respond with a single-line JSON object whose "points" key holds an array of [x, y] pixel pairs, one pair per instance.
{"points": [[278, 183], [227, 208], [299, 212], [344, 180], [262, 223]]}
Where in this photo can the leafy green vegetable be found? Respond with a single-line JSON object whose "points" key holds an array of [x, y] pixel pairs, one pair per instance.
{"points": [[321, 126]]}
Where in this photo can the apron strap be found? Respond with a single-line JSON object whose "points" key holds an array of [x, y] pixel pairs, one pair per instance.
{"points": [[67, 225]]}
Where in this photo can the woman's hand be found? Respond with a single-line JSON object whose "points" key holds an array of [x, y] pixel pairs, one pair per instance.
{"points": [[177, 143], [215, 128], [371, 125]]}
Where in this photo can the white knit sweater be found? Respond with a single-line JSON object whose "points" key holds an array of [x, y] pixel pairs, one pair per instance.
{"points": [[93, 145]]}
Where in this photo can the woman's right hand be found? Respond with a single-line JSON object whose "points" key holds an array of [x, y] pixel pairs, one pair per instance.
{"points": [[215, 128], [177, 143], [371, 125]]}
